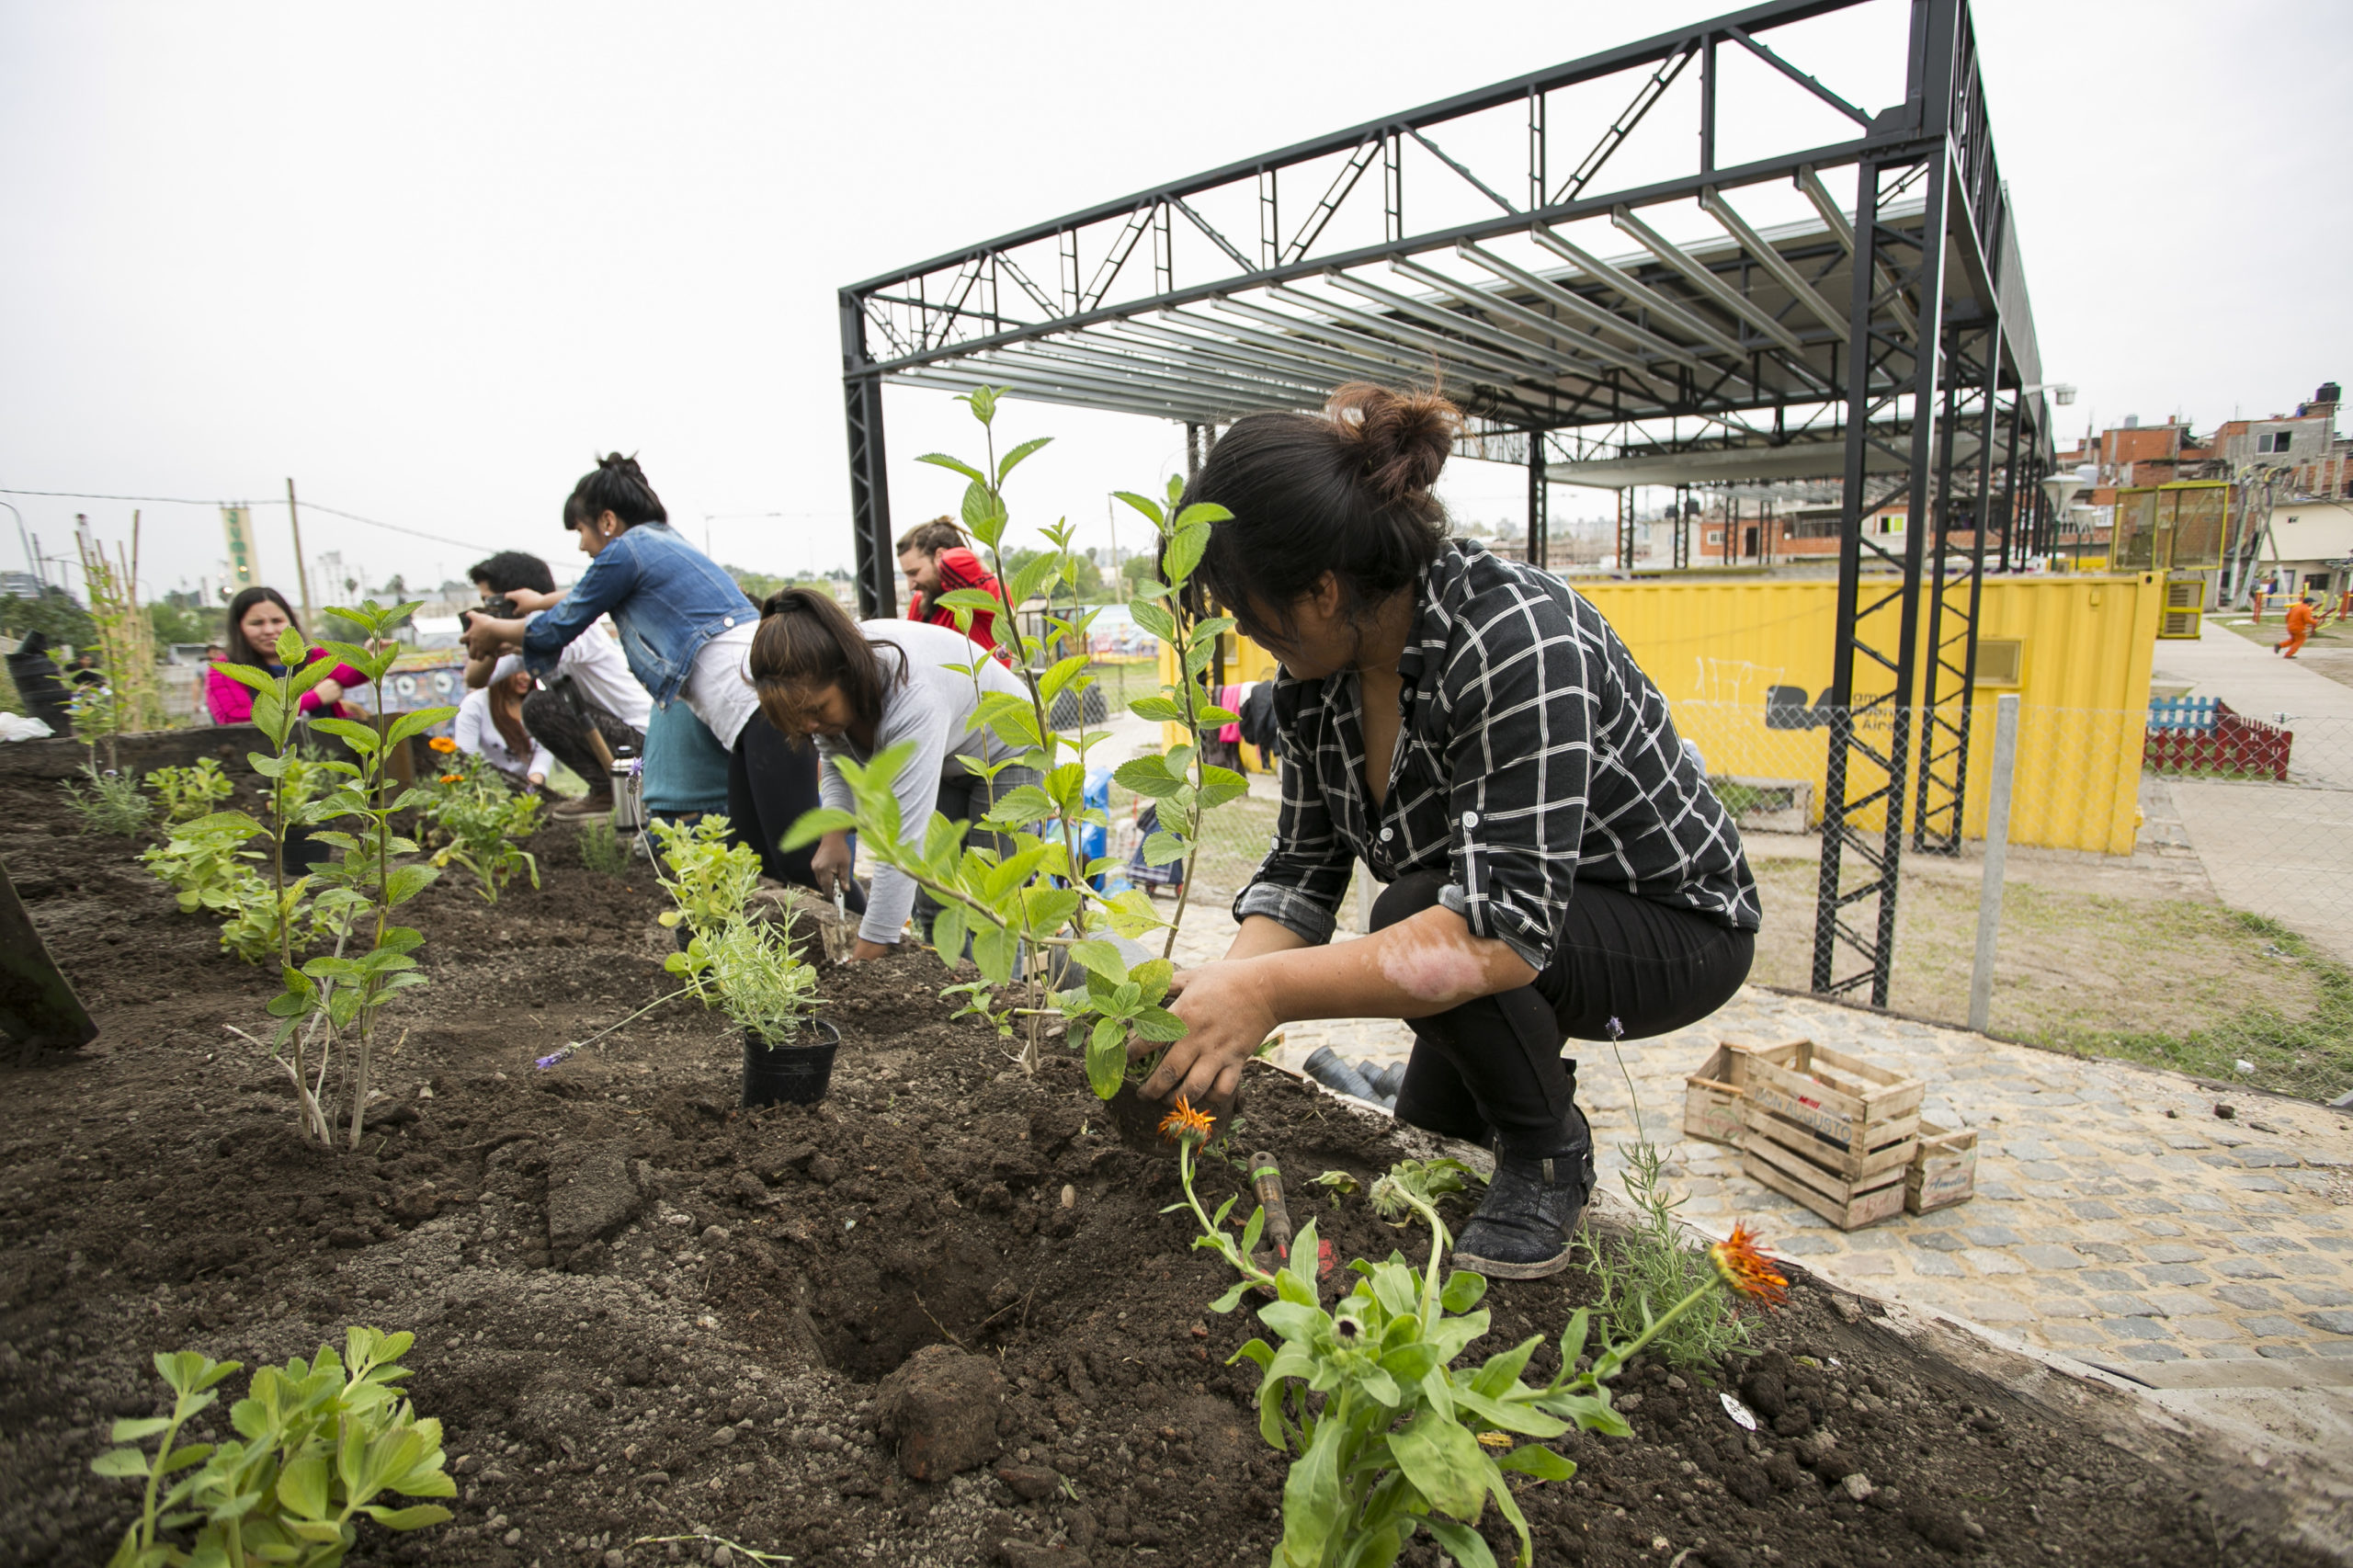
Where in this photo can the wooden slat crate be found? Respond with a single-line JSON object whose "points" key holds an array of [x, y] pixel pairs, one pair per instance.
{"points": [[1835, 1133], [1943, 1170], [1711, 1096]]}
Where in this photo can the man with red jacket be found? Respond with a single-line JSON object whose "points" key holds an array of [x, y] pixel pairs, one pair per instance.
{"points": [[937, 561]]}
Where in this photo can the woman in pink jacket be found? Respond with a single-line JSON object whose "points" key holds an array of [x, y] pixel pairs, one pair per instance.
{"points": [[255, 618]]}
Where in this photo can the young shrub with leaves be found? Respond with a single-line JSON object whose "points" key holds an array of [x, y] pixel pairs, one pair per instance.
{"points": [[318, 1443], [1035, 920], [334, 1000], [745, 967], [112, 803], [1400, 1440], [479, 819], [188, 793]]}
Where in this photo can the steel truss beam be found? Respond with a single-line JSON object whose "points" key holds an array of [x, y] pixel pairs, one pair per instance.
{"points": [[1891, 341]]}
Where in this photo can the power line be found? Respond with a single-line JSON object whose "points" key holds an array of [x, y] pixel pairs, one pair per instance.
{"points": [[274, 501]]}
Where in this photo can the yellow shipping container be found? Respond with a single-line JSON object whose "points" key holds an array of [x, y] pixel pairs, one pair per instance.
{"points": [[2076, 649]]}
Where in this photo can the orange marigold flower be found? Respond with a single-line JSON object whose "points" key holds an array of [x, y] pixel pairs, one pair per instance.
{"points": [[442, 743], [453, 779], [1748, 1270], [1185, 1124]]}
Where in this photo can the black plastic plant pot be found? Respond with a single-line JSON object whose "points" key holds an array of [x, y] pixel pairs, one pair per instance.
{"points": [[305, 854], [790, 1074]]}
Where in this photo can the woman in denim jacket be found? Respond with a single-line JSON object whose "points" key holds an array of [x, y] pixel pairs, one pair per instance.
{"points": [[686, 628]]}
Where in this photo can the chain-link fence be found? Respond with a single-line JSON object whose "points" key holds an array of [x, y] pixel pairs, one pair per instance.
{"points": [[2177, 885]]}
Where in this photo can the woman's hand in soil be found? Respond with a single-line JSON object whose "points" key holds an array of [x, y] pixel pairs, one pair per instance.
{"points": [[864, 952], [1227, 1018], [829, 864]]}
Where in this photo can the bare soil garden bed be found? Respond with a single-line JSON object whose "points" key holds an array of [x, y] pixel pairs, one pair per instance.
{"points": [[642, 1312]]}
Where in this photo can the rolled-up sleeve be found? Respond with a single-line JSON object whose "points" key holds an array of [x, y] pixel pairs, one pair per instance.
{"points": [[1520, 743], [611, 577], [1304, 875]]}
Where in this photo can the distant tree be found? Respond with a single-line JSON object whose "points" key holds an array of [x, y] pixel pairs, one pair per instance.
{"points": [[757, 585], [1091, 587], [56, 612], [396, 591], [176, 623]]}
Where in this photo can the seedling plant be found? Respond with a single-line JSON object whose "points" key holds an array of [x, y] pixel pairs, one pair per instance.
{"points": [[318, 1443], [1388, 1437], [479, 818], [335, 1000], [1039, 926], [188, 793], [112, 803], [745, 967]]}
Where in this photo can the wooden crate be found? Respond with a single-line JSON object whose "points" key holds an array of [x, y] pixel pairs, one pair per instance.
{"points": [[1835, 1133], [1943, 1170], [1711, 1096]]}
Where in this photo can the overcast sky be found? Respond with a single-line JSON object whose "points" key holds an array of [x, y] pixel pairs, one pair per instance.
{"points": [[430, 259]]}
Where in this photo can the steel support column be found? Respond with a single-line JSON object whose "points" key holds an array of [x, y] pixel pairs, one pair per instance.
{"points": [[1950, 680], [1540, 504], [1870, 734], [870, 484]]}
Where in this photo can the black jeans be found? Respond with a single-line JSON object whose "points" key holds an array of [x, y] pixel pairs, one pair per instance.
{"points": [[556, 724], [1625, 966], [770, 782]]}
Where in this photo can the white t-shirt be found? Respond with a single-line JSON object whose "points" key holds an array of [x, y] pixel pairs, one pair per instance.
{"points": [[935, 709], [476, 733], [719, 688], [593, 660]]}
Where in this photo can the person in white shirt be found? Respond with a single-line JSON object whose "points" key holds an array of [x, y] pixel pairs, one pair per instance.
{"points": [[593, 691], [490, 725], [858, 688]]}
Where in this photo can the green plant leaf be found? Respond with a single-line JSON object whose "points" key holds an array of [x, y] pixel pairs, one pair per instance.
{"points": [[1145, 505], [994, 949], [302, 1486], [1445, 1463], [1219, 785], [1107, 1063], [1006, 464], [1154, 619], [1159, 710], [814, 825], [941, 460], [1148, 776], [1202, 512], [1462, 1542], [1184, 552], [1534, 1458], [415, 1518], [1166, 848], [1100, 958], [1463, 1291], [121, 1462]]}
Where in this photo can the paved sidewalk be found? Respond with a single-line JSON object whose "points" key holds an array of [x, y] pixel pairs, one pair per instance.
{"points": [[2104, 1228]]}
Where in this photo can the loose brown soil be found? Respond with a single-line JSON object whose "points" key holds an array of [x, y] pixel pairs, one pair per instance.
{"points": [[710, 1364]]}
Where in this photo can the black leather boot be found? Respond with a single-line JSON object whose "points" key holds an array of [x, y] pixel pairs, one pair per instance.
{"points": [[1522, 1230]]}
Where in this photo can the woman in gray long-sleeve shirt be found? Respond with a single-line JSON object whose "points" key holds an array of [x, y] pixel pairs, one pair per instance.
{"points": [[860, 687]]}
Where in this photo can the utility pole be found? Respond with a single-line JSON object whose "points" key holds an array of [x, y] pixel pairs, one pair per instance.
{"points": [[301, 567]]}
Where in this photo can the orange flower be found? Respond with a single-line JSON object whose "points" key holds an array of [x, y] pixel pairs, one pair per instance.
{"points": [[1185, 1125], [443, 745], [453, 779], [1748, 1270]]}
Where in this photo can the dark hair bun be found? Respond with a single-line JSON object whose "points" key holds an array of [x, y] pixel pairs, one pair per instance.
{"points": [[1405, 438]]}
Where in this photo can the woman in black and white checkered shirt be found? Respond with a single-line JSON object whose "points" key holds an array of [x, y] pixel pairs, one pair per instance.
{"points": [[1557, 866]]}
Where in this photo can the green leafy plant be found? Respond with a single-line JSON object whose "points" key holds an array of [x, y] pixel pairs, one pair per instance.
{"points": [[710, 880], [1656, 1265], [335, 999], [602, 850], [188, 793], [478, 817], [744, 967], [1032, 912], [111, 802], [1388, 1436], [318, 1443]]}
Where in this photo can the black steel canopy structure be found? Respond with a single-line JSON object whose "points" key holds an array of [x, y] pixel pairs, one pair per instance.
{"points": [[1813, 290]]}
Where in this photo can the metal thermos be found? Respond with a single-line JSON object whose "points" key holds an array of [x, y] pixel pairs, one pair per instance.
{"points": [[629, 791]]}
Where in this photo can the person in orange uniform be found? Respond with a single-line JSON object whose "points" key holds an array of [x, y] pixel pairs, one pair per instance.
{"points": [[2301, 621], [938, 560]]}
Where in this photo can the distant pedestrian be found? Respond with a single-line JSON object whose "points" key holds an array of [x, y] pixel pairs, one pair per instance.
{"points": [[86, 674], [214, 653], [2300, 620]]}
